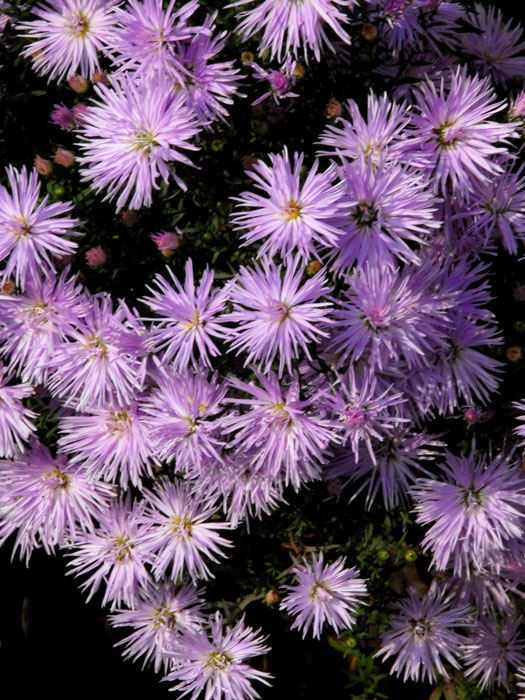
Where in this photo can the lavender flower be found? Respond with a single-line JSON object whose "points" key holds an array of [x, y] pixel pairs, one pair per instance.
{"points": [[390, 208], [493, 45], [16, 421], [383, 136], [293, 27], [180, 533], [190, 318], [454, 132], [491, 647], [208, 86], [280, 82], [323, 594], [130, 134], [473, 513], [216, 664], [112, 442], [114, 554], [290, 215], [158, 620], [148, 37], [34, 323], [31, 232], [286, 435], [69, 35], [275, 316], [99, 360], [47, 501], [182, 417], [422, 636]]}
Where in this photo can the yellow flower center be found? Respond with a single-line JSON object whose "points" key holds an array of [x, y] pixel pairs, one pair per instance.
{"points": [[78, 26], [292, 211]]}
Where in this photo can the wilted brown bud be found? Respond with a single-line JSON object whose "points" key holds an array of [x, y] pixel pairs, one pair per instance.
{"points": [[42, 166], [78, 84], [64, 157]]}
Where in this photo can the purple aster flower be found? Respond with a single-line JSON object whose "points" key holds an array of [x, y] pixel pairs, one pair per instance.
{"points": [[422, 635], [473, 512], [390, 210], [68, 36], [115, 555], [16, 421], [497, 208], [181, 533], [387, 315], [157, 620], [148, 37], [494, 45], [190, 318], [280, 82], [460, 371], [99, 360], [454, 132], [276, 316], [215, 663], [31, 232], [363, 409], [323, 594], [391, 470], [114, 443], [293, 27], [35, 322], [289, 214], [47, 501], [491, 647], [286, 435], [381, 137], [63, 117], [130, 135], [208, 86], [183, 418]]}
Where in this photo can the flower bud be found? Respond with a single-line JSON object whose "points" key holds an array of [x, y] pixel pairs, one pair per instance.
{"points": [[95, 257], [166, 242], [130, 218], [42, 166], [64, 158], [78, 84], [272, 597], [369, 31], [333, 108]]}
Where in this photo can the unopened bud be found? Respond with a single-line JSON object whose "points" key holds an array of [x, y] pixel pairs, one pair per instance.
{"points": [[272, 597], [42, 166], [95, 257], [369, 31], [8, 287], [514, 353], [333, 108], [247, 56], [78, 84], [248, 162], [130, 218], [64, 158], [101, 77], [298, 71], [313, 267]]}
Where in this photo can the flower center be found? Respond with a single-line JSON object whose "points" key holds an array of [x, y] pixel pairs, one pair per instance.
{"points": [[96, 347], [292, 211], [194, 323], [365, 214], [447, 134], [218, 661], [320, 592], [78, 26], [122, 548], [119, 422], [55, 479], [421, 627], [144, 140], [181, 526], [378, 316], [164, 617], [20, 228]]}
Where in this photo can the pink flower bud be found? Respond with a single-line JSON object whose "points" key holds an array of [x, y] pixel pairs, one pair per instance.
{"points": [[95, 257], [333, 108], [63, 117], [42, 166], [78, 84], [64, 157], [272, 597], [166, 242]]}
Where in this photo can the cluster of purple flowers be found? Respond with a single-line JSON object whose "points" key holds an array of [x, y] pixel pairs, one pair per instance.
{"points": [[365, 314]]}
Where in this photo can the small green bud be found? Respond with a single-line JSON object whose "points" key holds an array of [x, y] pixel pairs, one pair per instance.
{"points": [[410, 555]]}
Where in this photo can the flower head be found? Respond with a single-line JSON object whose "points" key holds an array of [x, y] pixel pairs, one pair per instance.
{"points": [[32, 232], [16, 421], [473, 512], [130, 135], [422, 635], [68, 35], [276, 316], [323, 594], [294, 27], [215, 663], [289, 214], [190, 318]]}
